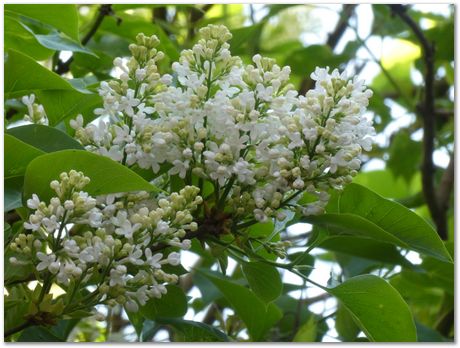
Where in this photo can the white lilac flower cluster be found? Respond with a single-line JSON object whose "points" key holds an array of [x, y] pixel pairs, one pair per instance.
{"points": [[108, 239], [241, 127], [36, 113]]}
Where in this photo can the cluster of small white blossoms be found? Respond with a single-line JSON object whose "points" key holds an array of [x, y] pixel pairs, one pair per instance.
{"points": [[36, 113], [108, 239], [242, 127]]}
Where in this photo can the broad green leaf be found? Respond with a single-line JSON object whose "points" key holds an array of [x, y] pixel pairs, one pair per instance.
{"points": [[304, 61], [384, 183], [149, 329], [107, 176], [44, 138], [12, 198], [24, 75], [62, 17], [15, 308], [193, 331], [60, 42], [131, 25], [172, 304], [255, 314], [242, 36], [307, 332], [427, 334], [38, 334], [18, 155], [367, 214], [365, 248], [137, 321], [63, 327], [378, 309], [304, 261], [209, 293], [405, 155], [263, 279], [16, 272], [19, 39], [441, 273], [260, 229], [345, 324], [66, 104]]}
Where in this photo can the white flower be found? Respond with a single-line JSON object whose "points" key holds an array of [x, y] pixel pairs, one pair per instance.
{"points": [[153, 260], [46, 261], [180, 167], [33, 202], [134, 257], [118, 276], [77, 123], [124, 226], [174, 259]]}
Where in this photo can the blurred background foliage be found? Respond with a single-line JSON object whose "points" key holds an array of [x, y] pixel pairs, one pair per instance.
{"points": [[371, 41]]}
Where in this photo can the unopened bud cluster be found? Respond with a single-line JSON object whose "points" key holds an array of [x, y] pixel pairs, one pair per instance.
{"points": [[108, 240]]}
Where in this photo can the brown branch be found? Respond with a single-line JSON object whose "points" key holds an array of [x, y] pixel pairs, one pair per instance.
{"points": [[332, 41], [446, 187], [429, 122], [104, 10]]}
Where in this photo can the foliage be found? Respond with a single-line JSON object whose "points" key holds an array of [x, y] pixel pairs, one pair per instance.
{"points": [[84, 81]]}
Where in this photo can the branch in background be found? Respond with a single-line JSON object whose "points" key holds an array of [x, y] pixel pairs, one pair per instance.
{"points": [[427, 111], [104, 10], [332, 41], [160, 17], [196, 14], [446, 186]]}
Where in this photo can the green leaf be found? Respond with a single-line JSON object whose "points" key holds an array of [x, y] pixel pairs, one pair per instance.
{"points": [[365, 213], [18, 38], [12, 198], [345, 324], [137, 321], [131, 25], [427, 334], [17, 156], [44, 138], [255, 314], [440, 273], [307, 332], [405, 155], [65, 104], [385, 184], [172, 304], [304, 61], [62, 17], [303, 259], [378, 309], [260, 230], [365, 248], [193, 331], [63, 328], [24, 75], [15, 307], [60, 42], [264, 280], [107, 176], [38, 334]]}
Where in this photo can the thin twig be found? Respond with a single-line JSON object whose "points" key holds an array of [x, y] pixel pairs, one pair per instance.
{"points": [[429, 122], [104, 10]]}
